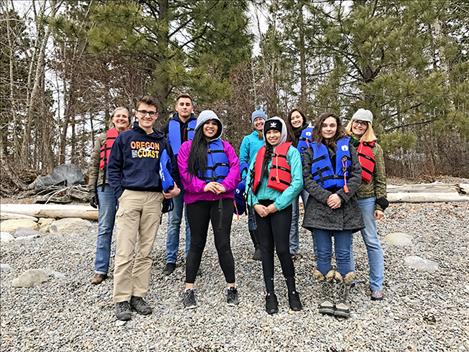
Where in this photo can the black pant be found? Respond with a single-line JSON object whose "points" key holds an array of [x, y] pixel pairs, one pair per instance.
{"points": [[274, 230], [199, 214]]}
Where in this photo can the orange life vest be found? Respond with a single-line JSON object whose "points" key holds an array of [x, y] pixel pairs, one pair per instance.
{"points": [[367, 160], [280, 172], [105, 152]]}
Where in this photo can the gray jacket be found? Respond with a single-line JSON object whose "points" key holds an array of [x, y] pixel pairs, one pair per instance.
{"points": [[318, 215]]}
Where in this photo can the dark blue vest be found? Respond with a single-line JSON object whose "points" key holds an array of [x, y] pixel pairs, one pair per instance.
{"points": [[218, 165], [174, 133], [306, 138], [323, 172], [165, 171]]}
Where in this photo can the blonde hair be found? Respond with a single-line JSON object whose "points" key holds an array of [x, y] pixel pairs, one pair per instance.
{"points": [[368, 136], [115, 111]]}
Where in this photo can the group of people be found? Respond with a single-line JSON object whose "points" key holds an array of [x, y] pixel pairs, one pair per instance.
{"points": [[138, 173]]}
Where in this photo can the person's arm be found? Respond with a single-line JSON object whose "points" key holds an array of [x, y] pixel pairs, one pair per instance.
{"points": [[355, 179], [189, 182], [115, 167], [296, 184], [93, 170], [244, 154], [232, 179], [313, 188], [379, 179], [251, 197]]}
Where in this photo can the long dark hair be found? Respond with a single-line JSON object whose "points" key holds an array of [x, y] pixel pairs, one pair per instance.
{"points": [[318, 129], [290, 129], [197, 163]]}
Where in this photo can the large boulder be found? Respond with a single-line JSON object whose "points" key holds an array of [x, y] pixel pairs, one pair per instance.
{"points": [[65, 175], [14, 224], [399, 239], [31, 278], [421, 264], [69, 226]]}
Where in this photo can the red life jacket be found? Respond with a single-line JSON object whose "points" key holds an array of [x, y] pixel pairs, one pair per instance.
{"points": [[280, 172], [366, 159], [105, 152]]}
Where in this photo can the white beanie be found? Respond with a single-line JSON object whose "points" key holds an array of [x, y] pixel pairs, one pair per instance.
{"points": [[363, 115]]}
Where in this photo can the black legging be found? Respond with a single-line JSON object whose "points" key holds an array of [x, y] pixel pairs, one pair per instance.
{"points": [[275, 230], [199, 214]]}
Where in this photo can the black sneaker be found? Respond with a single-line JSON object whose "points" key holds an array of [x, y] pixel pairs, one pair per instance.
{"points": [[140, 306], [189, 299], [294, 301], [169, 268], [123, 311], [257, 255], [271, 303], [232, 296]]}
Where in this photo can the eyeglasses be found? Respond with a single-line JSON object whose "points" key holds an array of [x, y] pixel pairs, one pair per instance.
{"points": [[360, 122], [144, 112]]}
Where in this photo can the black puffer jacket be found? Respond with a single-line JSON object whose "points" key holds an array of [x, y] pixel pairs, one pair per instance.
{"points": [[318, 215]]}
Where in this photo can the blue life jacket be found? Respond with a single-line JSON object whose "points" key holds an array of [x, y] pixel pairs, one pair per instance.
{"points": [[174, 133], [218, 165], [167, 181], [305, 140], [323, 172]]}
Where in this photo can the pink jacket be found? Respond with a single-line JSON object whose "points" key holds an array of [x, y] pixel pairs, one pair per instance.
{"points": [[194, 186]]}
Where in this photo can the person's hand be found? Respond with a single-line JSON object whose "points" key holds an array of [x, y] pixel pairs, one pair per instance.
{"points": [[261, 210], [211, 187], [334, 201], [174, 192], [379, 214], [219, 188], [94, 201], [271, 208]]}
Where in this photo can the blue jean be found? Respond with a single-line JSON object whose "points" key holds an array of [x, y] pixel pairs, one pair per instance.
{"points": [[106, 218], [372, 243], [342, 247], [174, 225], [295, 217]]}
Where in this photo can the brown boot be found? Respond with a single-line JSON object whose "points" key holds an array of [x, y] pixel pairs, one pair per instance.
{"points": [[98, 278], [343, 286], [326, 305]]}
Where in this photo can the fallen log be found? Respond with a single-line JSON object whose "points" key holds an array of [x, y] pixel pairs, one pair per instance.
{"points": [[427, 197], [4, 215], [52, 210], [423, 187]]}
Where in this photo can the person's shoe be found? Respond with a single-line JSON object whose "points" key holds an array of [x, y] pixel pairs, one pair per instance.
{"points": [[140, 306], [232, 296], [377, 295], [169, 268], [123, 311], [189, 299], [294, 301], [98, 278], [257, 255], [271, 303], [326, 305], [343, 286]]}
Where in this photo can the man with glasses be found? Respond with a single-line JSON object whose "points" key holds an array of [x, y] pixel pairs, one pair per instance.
{"points": [[179, 129], [133, 174]]}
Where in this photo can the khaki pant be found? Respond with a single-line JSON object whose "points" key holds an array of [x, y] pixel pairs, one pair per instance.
{"points": [[138, 219]]}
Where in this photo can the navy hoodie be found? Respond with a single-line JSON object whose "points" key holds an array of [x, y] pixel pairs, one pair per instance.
{"points": [[134, 163]]}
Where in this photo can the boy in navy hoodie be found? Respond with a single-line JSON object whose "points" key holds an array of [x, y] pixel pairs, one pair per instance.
{"points": [[133, 173]]}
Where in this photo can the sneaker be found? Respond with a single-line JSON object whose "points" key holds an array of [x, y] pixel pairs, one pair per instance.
{"points": [[140, 306], [377, 295], [123, 311], [232, 296], [271, 303], [189, 299], [98, 278], [294, 301], [169, 268], [257, 255]]}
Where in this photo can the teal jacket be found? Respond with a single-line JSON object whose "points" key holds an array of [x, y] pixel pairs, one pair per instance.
{"points": [[249, 148], [281, 199]]}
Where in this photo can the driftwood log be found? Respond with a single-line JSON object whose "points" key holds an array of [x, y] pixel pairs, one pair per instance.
{"points": [[52, 210]]}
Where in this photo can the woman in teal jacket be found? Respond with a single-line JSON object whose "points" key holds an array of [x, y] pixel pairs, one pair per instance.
{"points": [[275, 180]]}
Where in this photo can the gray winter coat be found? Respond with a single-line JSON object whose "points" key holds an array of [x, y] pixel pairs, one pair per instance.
{"points": [[318, 215]]}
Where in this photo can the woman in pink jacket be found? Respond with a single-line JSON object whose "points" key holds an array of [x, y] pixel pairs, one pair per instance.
{"points": [[209, 170]]}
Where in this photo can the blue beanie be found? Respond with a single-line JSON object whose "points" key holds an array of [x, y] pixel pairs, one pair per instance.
{"points": [[258, 113]]}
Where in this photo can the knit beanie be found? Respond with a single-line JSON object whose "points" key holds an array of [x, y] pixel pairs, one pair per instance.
{"points": [[207, 115], [258, 113], [276, 123], [363, 115]]}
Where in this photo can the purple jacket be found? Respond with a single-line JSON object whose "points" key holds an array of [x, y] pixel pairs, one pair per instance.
{"points": [[194, 186]]}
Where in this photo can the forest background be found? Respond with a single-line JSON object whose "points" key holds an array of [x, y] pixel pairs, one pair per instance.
{"points": [[65, 65]]}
